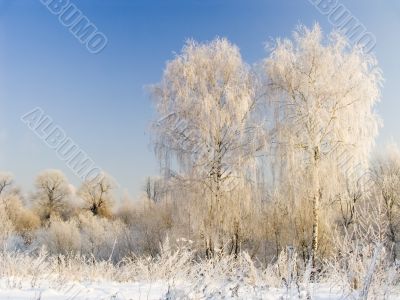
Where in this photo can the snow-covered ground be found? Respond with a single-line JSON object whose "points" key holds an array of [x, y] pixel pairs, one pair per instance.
{"points": [[145, 290], [82, 290]]}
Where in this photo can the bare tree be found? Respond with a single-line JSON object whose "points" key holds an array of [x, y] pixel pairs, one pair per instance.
{"points": [[6, 180], [323, 93], [52, 193], [97, 195]]}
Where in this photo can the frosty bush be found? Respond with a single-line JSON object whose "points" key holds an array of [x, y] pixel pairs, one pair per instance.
{"points": [[60, 237], [102, 238], [361, 264], [24, 220]]}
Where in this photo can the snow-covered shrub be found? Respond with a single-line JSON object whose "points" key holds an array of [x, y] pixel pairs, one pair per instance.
{"points": [[23, 219], [60, 237], [102, 238], [362, 264], [147, 223]]}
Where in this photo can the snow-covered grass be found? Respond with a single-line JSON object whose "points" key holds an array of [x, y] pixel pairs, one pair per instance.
{"points": [[174, 274]]}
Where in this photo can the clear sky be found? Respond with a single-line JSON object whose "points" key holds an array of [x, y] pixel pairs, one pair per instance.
{"points": [[100, 100]]}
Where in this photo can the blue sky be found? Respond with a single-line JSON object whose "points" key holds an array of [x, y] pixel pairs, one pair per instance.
{"points": [[100, 100]]}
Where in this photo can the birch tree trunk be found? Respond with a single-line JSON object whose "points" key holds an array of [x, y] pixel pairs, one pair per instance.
{"points": [[315, 203]]}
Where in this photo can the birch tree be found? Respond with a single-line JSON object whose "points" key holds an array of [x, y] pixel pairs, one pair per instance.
{"points": [[205, 136], [323, 93]]}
